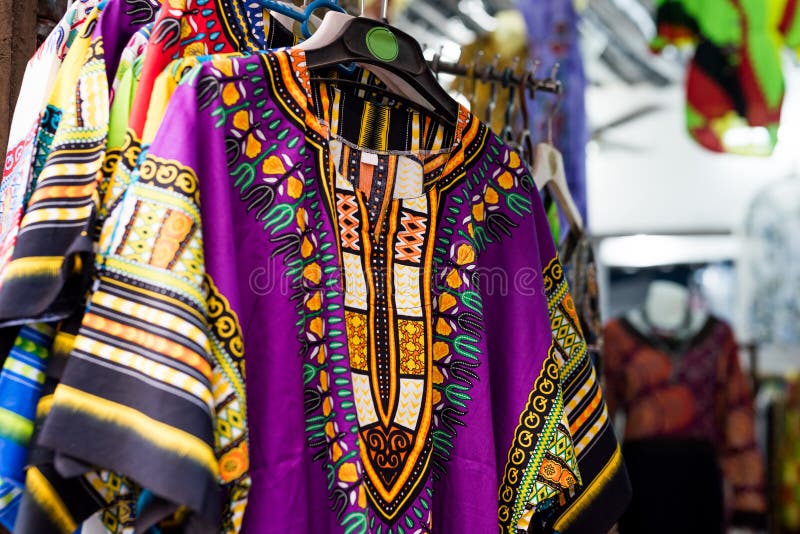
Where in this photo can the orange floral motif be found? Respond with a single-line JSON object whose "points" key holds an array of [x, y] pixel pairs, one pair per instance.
{"points": [[273, 165], [477, 211], [253, 146], [294, 187], [348, 473], [440, 350], [307, 248], [505, 180], [466, 254], [241, 120], [412, 350], [313, 273], [454, 279], [225, 66], [234, 463], [446, 301], [491, 196], [315, 302], [442, 328]]}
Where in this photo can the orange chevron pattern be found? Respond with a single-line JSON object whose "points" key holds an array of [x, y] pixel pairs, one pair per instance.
{"points": [[410, 240], [347, 208]]}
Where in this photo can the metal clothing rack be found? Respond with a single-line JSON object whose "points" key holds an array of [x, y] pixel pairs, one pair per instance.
{"points": [[503, 76]]}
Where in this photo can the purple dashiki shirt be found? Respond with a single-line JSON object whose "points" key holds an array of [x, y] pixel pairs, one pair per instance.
{"points": [[391, 287]]}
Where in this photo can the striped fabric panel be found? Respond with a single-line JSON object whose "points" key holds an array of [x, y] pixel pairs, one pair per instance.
{"points": [[142, 382], [605, 489], [83, 495], [21, 382]]}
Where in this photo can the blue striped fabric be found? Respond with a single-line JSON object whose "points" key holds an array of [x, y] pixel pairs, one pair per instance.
{"points": [[21, 382]]}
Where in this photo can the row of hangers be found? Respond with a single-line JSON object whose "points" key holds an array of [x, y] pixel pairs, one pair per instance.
{"points": [[341, 39], [544, 160]]}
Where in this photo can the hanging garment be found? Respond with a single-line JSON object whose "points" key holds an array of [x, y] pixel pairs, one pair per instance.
{"points": [[263, 33], [695, 390], [606, 491], [769, 274], [735, 79], [33, 125], [37, 509], [553, 39], [394, 362], [53, 292], [117, 495], [47, 275]]}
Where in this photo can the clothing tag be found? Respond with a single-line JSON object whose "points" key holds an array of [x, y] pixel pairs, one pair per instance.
{"points": [[369, 158]]}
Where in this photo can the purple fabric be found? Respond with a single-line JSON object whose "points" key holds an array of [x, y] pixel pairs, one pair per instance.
{"points": [[120, 20], [269, 285], [553, 38]]}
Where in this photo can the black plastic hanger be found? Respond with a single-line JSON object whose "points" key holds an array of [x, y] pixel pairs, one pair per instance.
{"points": [[395, 56]]}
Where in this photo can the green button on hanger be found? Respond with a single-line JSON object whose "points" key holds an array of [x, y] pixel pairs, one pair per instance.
{"points": [[382, 44]]}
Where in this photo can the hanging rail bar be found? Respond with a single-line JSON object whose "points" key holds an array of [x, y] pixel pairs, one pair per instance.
{"points": [[548, 85]]}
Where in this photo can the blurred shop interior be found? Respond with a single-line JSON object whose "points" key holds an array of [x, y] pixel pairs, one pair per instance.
{"points": [[664, 136]]}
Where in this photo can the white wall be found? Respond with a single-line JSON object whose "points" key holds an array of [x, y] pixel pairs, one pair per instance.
{"points": [[671, 185]]}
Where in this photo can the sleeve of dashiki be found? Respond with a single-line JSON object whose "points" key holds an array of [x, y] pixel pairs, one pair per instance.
{"points": [[548, 411], [604, 490], [148, 375]]}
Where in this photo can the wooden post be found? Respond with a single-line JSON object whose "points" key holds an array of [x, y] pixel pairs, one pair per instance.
{"points": [[17, 44]]}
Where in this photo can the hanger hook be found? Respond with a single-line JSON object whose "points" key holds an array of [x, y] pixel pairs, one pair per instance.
{"points": [[527, 89], [475, 68], [437, 58], [508, 75], [555, 108], [363, 7], [492, 104], [385, 11]]}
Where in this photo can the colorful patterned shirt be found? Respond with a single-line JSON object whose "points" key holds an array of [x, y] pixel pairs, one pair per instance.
{"points": [[346, 254], [34, 123]]}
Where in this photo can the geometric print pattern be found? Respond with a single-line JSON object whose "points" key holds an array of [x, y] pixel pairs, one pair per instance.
{"points": [[411, 238], [348, 213]]}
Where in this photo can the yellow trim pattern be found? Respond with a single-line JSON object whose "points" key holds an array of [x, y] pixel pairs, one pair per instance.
{"points": [[167, 438], [45, 495]]}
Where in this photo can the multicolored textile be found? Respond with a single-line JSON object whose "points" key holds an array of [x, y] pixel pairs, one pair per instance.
{"points": [[606, 491], [735, 79], [46, 277], [553, 39], [55, 498], [124, 87], [177, 35], [32, 125], [693, 390], [392, 383], [21, 382]]}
